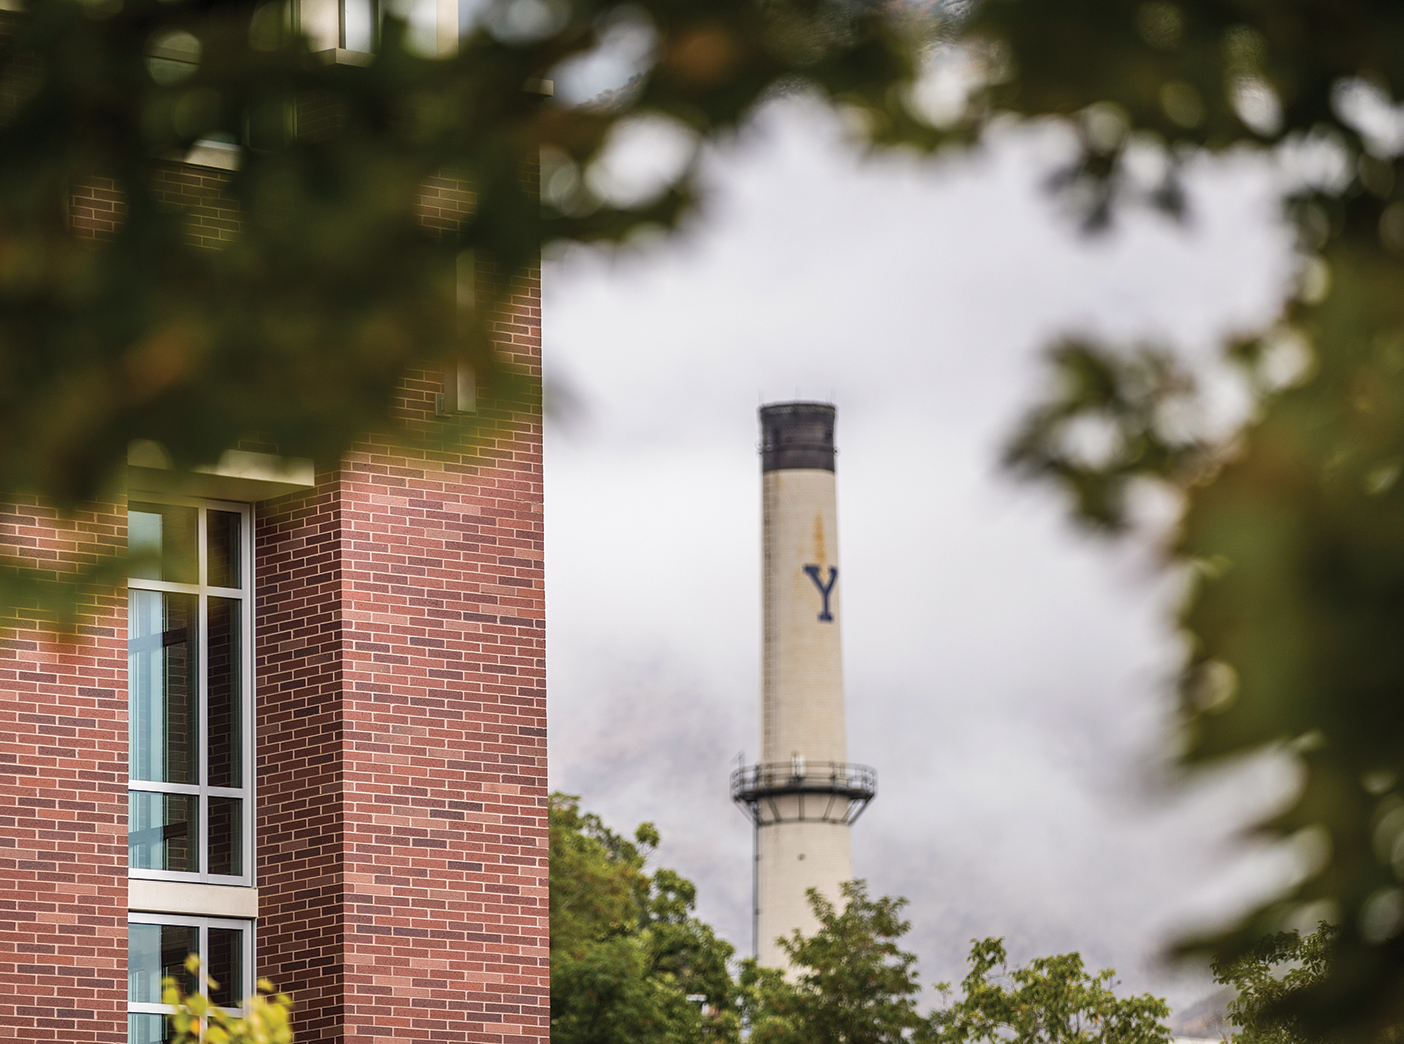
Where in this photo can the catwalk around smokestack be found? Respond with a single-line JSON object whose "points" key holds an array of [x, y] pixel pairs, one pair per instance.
{"points": [[803, 795]]}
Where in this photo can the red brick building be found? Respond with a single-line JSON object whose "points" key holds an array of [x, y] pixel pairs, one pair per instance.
{"points": [[308, 741]]}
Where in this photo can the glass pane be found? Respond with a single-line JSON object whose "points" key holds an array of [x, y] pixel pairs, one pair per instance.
{"points": [[423, 25], [162, 831], [155, 951], [149, 1029], [222, 548], [161, 542], [226, 837], [163, 687], [358, 25], [226, 967], [224, 702]]}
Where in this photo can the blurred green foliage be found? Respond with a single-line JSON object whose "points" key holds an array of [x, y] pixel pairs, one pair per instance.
{"points": [[299, 325], [1276, 968], [1291, 528], [265, 1018]]}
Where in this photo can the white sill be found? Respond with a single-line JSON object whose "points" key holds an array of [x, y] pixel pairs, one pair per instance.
{"points": [[190, 897], [239, 475], [217, 154]]}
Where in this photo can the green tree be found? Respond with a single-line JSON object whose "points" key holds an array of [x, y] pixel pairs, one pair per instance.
{"points": [[1053, 1000], [629, 962], [1276, 970], [850, 982]]}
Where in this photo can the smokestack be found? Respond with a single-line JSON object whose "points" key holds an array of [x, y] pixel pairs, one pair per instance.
{"points": [[803, 795]]}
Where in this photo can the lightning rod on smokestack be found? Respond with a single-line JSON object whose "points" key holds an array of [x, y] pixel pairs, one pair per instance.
{"points": [[803, 795]]}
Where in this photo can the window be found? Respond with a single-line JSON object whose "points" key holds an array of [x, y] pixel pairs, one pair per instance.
{"points": [[354, 26], [189, 673], [158, 946], [360, 24]]}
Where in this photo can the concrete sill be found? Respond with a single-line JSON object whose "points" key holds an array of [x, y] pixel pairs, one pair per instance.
{"points": [[202, 900]]}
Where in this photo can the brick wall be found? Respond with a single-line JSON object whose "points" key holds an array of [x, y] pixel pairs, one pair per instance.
{"points": [[402, 819], [446, 201], [402, 758], [445, 671], [297, 574], [63, 794], [401, 748], [97, 207], [211, 217]]}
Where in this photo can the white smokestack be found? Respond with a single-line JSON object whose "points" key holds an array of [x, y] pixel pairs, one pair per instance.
{"points": [[803, 795]]}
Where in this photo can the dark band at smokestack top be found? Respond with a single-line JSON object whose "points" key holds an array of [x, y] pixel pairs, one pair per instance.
{"points": [[797, 435]]}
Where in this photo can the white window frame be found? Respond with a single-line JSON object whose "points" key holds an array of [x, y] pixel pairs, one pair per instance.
{"points": [[204, 924], [433, 24], [248, 792]]}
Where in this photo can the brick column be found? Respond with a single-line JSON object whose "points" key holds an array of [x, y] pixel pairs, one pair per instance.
{"points": [[63, 794], [402, 757], [299, 796]]}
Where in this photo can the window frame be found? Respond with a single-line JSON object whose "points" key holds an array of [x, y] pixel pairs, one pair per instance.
{"points": [[202, 790], [204, 924]]}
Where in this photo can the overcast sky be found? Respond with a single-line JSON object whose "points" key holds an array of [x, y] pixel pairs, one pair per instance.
{"points": [[1006, 675]]}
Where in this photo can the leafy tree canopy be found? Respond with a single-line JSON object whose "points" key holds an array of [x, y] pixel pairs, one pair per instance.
{"points": [[629, 962], [1052, 1001], [298, 326], [1270, 977], [850, 981]]}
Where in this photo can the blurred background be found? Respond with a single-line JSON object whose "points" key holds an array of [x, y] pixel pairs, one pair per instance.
{"points": [[1007, 676]]}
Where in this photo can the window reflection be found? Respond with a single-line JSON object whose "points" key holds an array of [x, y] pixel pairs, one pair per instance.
{"points": [[222, 542], [158, 949], [226, 967], [162, 831], [226, 834], [161, 541], [163, 686], [155, 951], [189, 706], [223, 706], [358, 24], [149, 1029]]}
